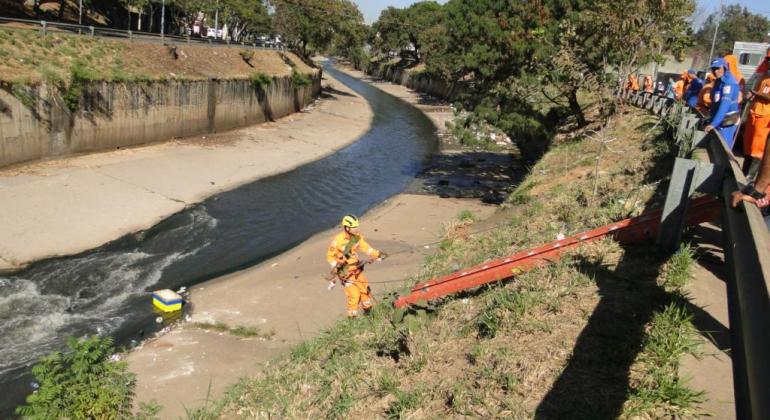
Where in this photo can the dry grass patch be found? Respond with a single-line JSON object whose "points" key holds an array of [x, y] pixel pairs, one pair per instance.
{"points": [[28, 57]]}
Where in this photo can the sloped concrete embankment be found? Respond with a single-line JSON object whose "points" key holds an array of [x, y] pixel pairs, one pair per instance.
{"points": [[44, 120], [413, 79]]}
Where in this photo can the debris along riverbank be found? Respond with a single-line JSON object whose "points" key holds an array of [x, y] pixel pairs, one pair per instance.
{"points": [[600, 334]]}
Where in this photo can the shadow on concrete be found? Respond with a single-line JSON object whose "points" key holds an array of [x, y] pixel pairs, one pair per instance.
{"points": [[329, 92], [5, 109]]}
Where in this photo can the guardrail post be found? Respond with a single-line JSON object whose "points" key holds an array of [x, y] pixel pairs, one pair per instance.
{"points": [[130, 35], [187, 36], [688, 177], [91, 28], [44, 27], [686, 127]]}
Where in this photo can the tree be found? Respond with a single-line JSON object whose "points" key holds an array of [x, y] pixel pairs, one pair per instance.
{"points": [[184, 13], [737, 23], [609, 33], [351, 34], [389, 31], [303, 23], [244, 16], [410, 30], [133, 4]]}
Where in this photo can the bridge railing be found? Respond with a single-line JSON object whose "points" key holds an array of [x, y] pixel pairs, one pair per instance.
{"points": [[47, 27], [746, 244]]}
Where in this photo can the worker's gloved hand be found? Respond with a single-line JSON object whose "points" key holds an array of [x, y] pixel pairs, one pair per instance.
{"points": [[383, 255], [331, 285]]}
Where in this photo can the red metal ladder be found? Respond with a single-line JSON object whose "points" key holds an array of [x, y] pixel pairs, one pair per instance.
{"points": [[636, 229]]}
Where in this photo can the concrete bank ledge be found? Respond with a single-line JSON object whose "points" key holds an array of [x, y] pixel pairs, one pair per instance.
{"points": [[67, 206]]}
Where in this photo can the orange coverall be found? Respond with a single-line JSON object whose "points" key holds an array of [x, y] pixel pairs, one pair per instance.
{"points": [[633, 83], [704, 97], [681, 86], [647, 84], [344, 253], [758, 127]]}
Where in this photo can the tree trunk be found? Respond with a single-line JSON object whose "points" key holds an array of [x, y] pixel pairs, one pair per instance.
{"points": [[61, 9], [577, 111], [151, 23]]}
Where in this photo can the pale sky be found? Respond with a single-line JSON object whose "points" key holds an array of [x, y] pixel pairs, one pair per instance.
{"points": [[372, 8]]}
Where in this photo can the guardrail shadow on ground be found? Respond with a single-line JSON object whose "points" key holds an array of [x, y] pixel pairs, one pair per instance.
{"points": [[596, 380]]}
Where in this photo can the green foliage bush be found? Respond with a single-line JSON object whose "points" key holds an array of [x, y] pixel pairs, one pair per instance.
{"points": [[259, 80], [300, 80], [81, 383]]}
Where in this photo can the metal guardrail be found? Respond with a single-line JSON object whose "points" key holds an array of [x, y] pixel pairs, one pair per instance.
{"points": [[46, 27], [746, 245]]}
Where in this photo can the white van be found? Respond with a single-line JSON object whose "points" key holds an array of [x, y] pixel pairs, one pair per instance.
{"points": [[749, 55]]}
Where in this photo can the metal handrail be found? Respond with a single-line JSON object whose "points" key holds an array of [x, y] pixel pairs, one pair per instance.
{"points": [[121, 34], [747, 254]]}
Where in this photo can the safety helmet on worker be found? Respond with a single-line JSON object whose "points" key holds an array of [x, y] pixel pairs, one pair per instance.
{"points": [[350, 221], [718, 62]]}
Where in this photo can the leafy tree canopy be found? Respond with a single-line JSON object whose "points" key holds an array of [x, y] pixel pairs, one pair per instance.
{"points": [[737, 24], [305, 23]]}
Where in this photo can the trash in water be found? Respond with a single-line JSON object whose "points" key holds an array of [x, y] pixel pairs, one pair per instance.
{"points": [[159, 319], [34, 385], [166, 300]]}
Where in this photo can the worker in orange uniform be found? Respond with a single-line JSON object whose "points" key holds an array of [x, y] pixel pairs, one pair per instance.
{"points": [[732, 67], [681, 86], [347, 255], [633, 83], [758, 124], [647, 84], [704, 96]]}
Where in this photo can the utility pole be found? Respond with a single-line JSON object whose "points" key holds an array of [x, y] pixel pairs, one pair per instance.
{"points": [[80, 12], [216, 23], [716, 30], [163, 18]]}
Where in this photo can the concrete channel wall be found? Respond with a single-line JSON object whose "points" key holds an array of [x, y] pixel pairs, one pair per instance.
{"points": [[413, 80], [36, 121]]}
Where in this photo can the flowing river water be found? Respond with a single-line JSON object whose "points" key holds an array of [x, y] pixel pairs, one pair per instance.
{"points": [[105, 290]]}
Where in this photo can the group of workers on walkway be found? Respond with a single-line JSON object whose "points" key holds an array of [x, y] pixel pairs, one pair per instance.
{"points": [[719, 97]]}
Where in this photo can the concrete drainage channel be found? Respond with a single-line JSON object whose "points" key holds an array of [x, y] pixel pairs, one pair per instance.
{"points": [[105, 290]]}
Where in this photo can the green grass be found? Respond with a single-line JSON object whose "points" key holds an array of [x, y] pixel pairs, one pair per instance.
{"points": [[300, 80], [243, 331], [679, 268], [260, 80], [466, 216], [658, 388]]}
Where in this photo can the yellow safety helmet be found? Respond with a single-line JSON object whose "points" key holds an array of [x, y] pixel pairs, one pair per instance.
{"points": [[350, 221]]}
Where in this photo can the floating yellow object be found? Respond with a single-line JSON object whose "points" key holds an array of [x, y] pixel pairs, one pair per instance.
{"points": [[167, 300]]}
